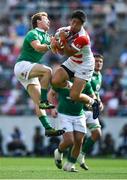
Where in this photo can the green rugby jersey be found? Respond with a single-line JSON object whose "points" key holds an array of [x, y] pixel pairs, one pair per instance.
{"points": [[66, 105], [96, 82], [27, 52]]}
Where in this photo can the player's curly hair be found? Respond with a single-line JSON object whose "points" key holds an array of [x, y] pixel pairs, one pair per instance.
{"points": [[36, 17], [79, 14]]}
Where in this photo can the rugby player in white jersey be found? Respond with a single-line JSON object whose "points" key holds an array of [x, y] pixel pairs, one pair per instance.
{"points": [[80, 63]]}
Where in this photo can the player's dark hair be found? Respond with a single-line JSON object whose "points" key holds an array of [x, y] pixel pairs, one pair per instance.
{"points": [[99, 56], [79, 14]]}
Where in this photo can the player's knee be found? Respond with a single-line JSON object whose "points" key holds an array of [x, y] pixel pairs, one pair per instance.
{"points": [[49, 71], [99, 132], [55, 82], [96, 134]]}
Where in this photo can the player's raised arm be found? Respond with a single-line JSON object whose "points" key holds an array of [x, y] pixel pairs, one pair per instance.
{"points": [[40, 47], [67, 48]]}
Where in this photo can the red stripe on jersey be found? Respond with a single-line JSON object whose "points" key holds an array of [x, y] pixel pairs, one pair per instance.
{"points": [[81, 41], [78, 56], [78, 62]]}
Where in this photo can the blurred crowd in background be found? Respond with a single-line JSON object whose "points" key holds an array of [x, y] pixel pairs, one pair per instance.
{"points": [[107, 26], [17, 146]]}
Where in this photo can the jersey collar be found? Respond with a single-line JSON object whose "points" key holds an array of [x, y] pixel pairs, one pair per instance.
{"points": [[42, 30], [97, 73]]}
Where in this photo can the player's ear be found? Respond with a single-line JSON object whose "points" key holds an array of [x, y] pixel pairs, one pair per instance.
{"points": [[38, 21]]}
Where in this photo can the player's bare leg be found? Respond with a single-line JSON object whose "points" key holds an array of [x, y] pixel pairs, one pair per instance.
{"points": [[44, 75], [89, 142], [72, 158], [34, 92], [60, 78], [67, 141], [77, 95]]}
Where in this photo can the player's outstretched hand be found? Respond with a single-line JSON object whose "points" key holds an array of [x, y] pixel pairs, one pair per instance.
{"points": [[63, 37], [56, 46], [53, 45]]}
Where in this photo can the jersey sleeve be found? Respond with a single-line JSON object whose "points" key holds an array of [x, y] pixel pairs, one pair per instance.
{"points": [[31, 36], [80, 41]]}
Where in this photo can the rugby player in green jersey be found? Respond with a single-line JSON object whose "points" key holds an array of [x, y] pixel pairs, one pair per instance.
{"points": [[34, 76], [71, 118], [93, 124]]}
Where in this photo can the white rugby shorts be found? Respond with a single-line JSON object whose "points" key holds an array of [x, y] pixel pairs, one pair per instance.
{"points": [[72, 123], [91, 123], [83, 71], [22, 70]]}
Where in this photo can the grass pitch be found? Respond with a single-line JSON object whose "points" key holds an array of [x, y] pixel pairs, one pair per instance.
{"points": [[44, 168]]}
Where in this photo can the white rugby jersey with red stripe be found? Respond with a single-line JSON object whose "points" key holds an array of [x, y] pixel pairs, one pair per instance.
{"points": [[81, 42]]}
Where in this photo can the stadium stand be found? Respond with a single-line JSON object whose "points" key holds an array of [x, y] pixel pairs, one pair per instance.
{"points": [[107, 26]]}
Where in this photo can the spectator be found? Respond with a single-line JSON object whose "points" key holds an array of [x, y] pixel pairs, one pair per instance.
{"points": [[1, 144], [123, 56], [53, 144], [111, 16], [112, 106], [107, 23], [38, 142], [122, 149], [16, 146], [108, 145], [21, 27]]}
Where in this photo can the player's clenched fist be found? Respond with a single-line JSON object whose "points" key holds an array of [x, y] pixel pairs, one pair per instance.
{"points": [[56, 46]]}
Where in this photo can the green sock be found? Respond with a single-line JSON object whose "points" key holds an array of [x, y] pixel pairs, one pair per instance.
{"points": [[72, 159], [69, 153], [59, 150], [45, 122], [44, 94], [69, 157], [87, 145]]}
